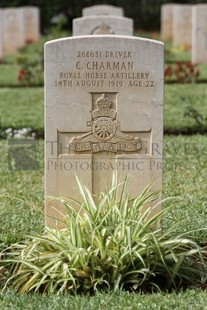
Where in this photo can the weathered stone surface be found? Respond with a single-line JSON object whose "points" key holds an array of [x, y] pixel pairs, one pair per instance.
{"points": [[102, 9], [199, 34], [13, 30], [182, 25], [93, 25], [31, 23], [167, 21], [103, 114]]}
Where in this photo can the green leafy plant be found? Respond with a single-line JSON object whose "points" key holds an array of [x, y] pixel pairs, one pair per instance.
{"points": [[31, 71], [56, 30], [193, 113], [113, 244]]}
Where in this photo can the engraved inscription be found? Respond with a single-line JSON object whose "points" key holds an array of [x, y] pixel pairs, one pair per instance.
{"points": [[105, 69], [106, 65], [107, 54], [105, 132]]}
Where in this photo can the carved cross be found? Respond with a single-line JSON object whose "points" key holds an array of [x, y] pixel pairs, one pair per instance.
{"points": [[107, 145], [105, 132]]}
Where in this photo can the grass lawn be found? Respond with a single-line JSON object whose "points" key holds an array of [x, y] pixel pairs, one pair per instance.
{"points": [[191, 299], [21, 201], [9, 74], [28, 101], [178, 98], [184, 179], [27, 107]]}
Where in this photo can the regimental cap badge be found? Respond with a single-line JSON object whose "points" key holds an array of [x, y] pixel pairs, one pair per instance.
{"points": [[103, 102], [105, 132], [104, 108]]}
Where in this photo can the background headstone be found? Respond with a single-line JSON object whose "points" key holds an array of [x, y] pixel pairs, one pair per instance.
{"points": [[167, 21], [93, 25], [31, 24], [102, 9], [199, 34], [1, 34], [13, 30], [182, 25], [104, 107]]}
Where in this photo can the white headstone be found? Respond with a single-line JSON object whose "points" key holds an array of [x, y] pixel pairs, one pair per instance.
{"points": [[104, 107], [13, 30], [182, 25], [102, 9], [93, 25], [167, 21], [31, 24], [1, 34], [199, 34]]}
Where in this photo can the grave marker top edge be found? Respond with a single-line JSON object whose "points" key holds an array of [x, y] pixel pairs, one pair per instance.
{"points": [[113, 37], [102, 16]]}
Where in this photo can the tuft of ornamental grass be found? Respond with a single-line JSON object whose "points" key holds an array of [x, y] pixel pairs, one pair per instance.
{"points": [[112, 244]]}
